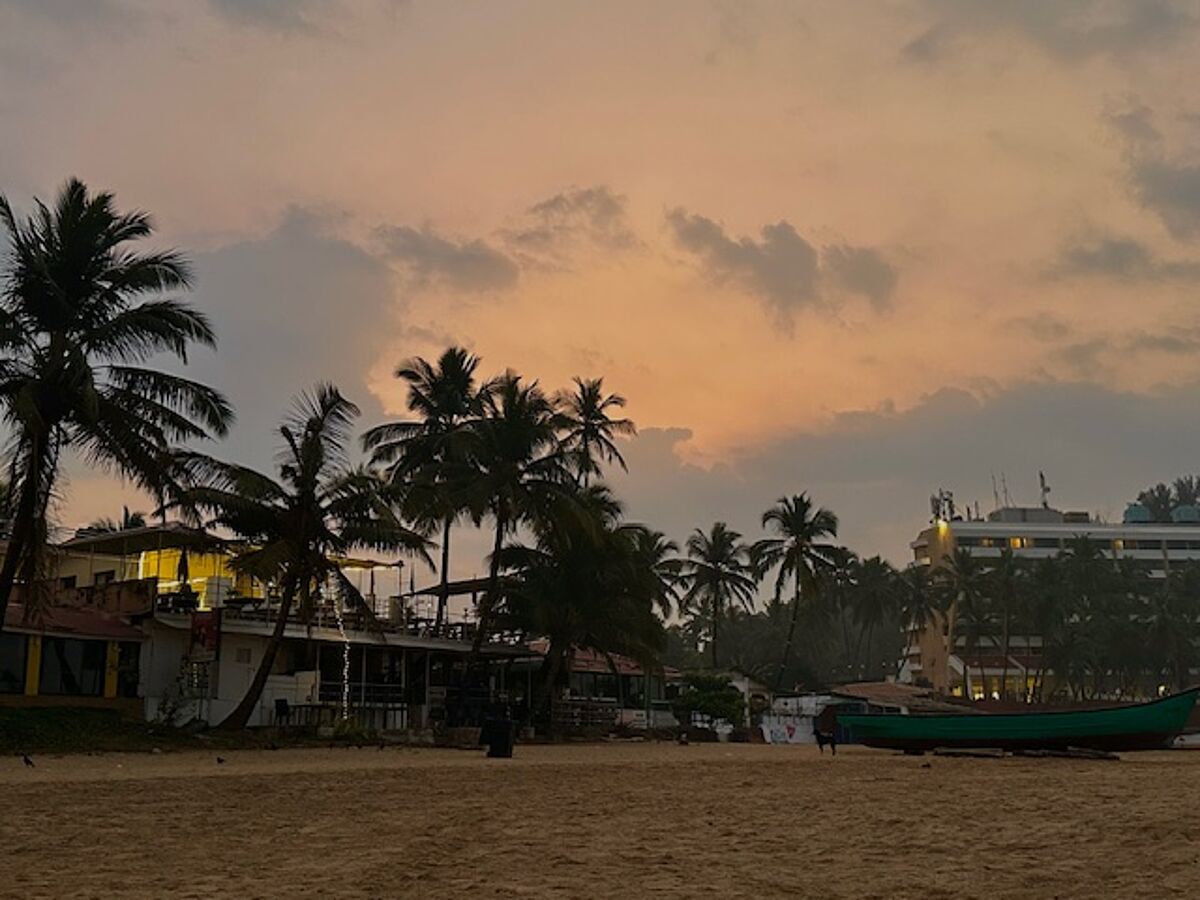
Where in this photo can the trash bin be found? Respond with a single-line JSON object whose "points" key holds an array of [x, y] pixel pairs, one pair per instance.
{"points": [[497, 734]]}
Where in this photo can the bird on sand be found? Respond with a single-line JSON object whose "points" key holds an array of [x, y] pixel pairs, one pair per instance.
{"points": [[25, 759]]}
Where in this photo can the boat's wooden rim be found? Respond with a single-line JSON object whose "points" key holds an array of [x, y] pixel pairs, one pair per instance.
{"points": [[1024, 715]]}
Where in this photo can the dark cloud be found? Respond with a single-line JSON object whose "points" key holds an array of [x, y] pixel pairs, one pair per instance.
{"points": [[1170, 189], [782, 267], [929, 46], [548, 233], [1134, 123], [270, 15], [862, 270], [1121, 258], [292, 308], [876, 469], [91, 15], [468, 265], [1067, 30], [1042, 326]]}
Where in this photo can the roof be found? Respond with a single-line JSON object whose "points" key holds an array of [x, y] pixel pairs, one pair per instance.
{"points": [[456, 588], [584, 660], [71, 621], [172, 535]]}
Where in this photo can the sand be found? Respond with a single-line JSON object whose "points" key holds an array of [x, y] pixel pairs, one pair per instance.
{"points": [[615, 820]]}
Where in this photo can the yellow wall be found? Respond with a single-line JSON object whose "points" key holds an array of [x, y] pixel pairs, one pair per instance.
{"points": [[164, 564]]}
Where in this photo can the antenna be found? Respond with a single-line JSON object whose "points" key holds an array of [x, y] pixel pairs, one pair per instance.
{"points": [[1004, 489], [1045, 488], [995, 493]]}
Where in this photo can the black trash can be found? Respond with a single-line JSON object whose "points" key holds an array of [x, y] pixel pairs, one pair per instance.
{"points": [[498, 735]]}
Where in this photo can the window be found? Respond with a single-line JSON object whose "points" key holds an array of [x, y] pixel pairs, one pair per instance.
{"points": [[106, 577], [1178, 545], [12, 663], [969, 542], [67, 582], [71, 666], [1018, 543], [1048, 543]]}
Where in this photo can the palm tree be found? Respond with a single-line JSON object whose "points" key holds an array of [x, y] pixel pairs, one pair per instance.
{"points": [[1006, 584], [716, 574], [318, 511], [589, 431], [656, 556], [584, 582], [518, 469], [963, 578], [425, 453], [800, 551], [918, 601], [876, 597], [127, 521], [78, 317]]}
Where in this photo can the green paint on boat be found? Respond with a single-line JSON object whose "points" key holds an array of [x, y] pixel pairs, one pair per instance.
{"points": [[1143, 726]]}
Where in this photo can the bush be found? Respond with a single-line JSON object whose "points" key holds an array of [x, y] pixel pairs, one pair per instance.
{"points": [[712, 696]]}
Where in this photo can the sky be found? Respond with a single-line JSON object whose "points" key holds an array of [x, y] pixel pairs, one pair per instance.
{"points": [[863, 250]]}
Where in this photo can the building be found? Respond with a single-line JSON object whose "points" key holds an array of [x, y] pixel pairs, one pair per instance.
{"points": [[1031, 533], [154, 621]]}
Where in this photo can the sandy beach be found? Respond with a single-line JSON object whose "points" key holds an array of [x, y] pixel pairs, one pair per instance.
{"points": [[607, 820]]}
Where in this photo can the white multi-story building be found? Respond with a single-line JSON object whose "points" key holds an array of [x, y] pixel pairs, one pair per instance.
{"points": [[1031, 533]]}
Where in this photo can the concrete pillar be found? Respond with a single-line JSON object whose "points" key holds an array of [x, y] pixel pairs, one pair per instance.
{"points": [[111, 663]]}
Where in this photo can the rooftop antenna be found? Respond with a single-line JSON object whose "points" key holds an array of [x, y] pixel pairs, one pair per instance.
{"points": [[1004, 489], [1045, 489], [995, 493]]}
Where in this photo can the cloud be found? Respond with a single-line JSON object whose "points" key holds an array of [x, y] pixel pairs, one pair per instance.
{"points": [[1120, 258], [1069, 31], [862, 270], [296, 306], [1170, 189], [548, 233], [876, 468], [781, 266], [269, 15], [467, 265], [1043, 326]]}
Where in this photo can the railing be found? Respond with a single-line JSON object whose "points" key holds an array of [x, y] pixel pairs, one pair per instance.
{"points": [[363, 693]]}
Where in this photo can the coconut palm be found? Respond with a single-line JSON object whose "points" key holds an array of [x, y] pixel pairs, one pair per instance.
{"points": [[584, 582], [127, 521], [518, 470], [963, 578], [876, 600], [919, 603], [298, 526], [657, 558], [1005, 587], [716, 575], [589, 431], [424, 453], [79, 316], [801, 552]]}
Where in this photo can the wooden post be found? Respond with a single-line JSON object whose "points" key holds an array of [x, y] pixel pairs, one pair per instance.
{"points": [[33, 664]]}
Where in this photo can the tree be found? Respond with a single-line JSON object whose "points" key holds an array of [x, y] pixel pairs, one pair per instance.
{"points": [[319, 510], [801, 553], [1160, 500], [426, 454], [876, 599], [518, 471], [584, 582], [919, 603], [1005, 586], [716, 574], [962, 577], [589, 430], [127, 521], [79, 316]]}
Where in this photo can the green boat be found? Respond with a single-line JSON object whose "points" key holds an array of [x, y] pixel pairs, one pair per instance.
{"points": [[1143, 726]]}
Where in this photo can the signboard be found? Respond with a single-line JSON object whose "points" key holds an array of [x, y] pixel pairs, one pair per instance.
{"points": [[206, 636]]}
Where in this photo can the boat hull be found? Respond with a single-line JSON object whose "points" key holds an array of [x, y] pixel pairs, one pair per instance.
{"points": [[1144, 726]]}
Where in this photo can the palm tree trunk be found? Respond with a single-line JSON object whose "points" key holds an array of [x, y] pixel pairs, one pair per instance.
{"points": [[487, 604], [550, 668], [237, 719], [1004, 667], [787, 647], [716, 615], [24, 530], [444, 587]]}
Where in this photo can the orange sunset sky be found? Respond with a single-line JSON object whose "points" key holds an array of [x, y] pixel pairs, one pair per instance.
{"points": [[861, 249]]}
